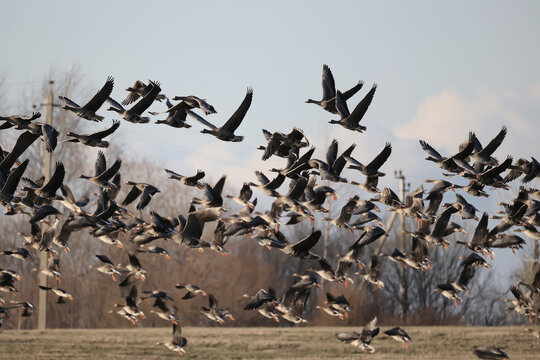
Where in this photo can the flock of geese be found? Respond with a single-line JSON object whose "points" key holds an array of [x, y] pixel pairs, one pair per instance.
{"points": [[111, 222]]}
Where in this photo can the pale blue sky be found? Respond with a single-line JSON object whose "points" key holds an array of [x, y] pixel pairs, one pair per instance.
{"points": [[443, 69]]}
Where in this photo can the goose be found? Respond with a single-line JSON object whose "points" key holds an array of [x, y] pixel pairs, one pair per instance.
{"points": [[7, 283], [514, 217], [19, 121], [366, 218], [52, 269], [467, 274], [293, 303], [480, 241], [388, 197], [212, 195], [88, 111], [8, 189], [187, 180], [435, 195], [48, 189], [301, 248], [164, 312], [342, 221], [465, 209], [332, 168], [262, 297], [352, 255], [130, 310], [484, 155], [134, 267], [139, 89], [243, 197], [282, 144], [491, 176], [107, 267], [28, 308], [351, 120], [61, 293], [156, 250], [157, 294], [400, 335], [138, 188], [266, 186], [327, 273], [338, 303], [219, 240], [508, 241], [448, 164], [192, 290], [372, 276], [226, 132], [531, 169], [439, 229], [214, 312], [134, 113], [363, 340], [491, 353], [196, 102], [178, 342], [94, 139], [103, 175], [22, 143], [20, 253], [296, 165], [191, 228], [448, 291], [535, 285], [176, 115], [371, 169], [328, 101]]}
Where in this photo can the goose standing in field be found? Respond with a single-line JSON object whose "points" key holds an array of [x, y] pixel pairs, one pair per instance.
{"points": [[134, 113], [176, 115], [351, 120], [178, 342], [328, 101], [88, 111], [139, 89], [147, 191], [490, 353], [226, 132], [94, 139], [188, 180], [400, 335], [107, 267], [363, 340], [196, 102]]}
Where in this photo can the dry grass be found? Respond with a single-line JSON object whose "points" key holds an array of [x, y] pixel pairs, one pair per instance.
{"points": [[261, 343]]}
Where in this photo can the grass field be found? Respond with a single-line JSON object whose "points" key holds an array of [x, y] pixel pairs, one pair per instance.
{"points": [[262, 343]]}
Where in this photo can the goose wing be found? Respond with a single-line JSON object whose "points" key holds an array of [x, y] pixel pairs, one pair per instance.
{"points": [[147, 100], [101, 134], [235, 120], [360, 109], [328, 83], [95, 103]]}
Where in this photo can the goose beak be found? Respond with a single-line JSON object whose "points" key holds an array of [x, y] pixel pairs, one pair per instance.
{"points": [[167, 257], [200, 250], [119, 244]]}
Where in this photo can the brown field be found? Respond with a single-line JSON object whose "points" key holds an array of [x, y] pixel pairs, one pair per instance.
{"points": [[261, 343]]}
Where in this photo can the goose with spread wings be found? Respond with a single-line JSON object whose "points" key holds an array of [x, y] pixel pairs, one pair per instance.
{"points": [[352, 120], [328, 101], [94, 139], [88, 111], [133, 114], [226, 132]]}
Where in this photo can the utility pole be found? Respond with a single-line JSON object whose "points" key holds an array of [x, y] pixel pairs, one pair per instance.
{"points": [[403, 281], [42, 313]]}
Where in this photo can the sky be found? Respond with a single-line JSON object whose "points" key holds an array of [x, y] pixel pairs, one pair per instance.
{"points": [[442, 68]]}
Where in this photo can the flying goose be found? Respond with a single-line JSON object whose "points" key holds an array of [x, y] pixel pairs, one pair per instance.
{"points": [[107, 267], [490, 353], [351, 120], [61, 293], [88, 111], [139, 89], [94, 139], [178, 342], [176, 115], [192, 290], [134, 113], [103, 175], [187, 180], [226, 132], [363, 340], [137, 189], [196, 102], [328, 101]]}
